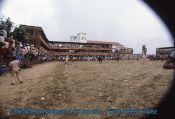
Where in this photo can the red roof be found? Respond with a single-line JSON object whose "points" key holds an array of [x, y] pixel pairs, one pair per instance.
{"points": [[104, 42]]}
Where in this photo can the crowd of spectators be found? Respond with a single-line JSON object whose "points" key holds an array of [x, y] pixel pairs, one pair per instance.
{"points": [[84, 58], [24, 52]]}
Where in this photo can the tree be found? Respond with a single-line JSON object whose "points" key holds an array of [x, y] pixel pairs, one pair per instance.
{"points": [[6, 24], [19, 34]]}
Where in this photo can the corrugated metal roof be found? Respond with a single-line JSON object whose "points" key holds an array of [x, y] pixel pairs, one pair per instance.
{"points": [[104, 42]]}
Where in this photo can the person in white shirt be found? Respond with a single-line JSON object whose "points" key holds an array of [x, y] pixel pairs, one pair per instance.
{"points": [[14, 68], [66, 60]]}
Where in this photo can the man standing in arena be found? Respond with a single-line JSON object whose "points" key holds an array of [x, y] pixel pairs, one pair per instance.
{"points": [[14, 69], [66, 60]]}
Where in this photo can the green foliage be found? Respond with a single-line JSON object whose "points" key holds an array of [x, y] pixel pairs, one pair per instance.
{"points": [[6, 24], [19, 34]]}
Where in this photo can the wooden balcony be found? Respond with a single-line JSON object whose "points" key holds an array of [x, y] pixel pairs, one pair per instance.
{"points": [[77, 49], [81, 54]]}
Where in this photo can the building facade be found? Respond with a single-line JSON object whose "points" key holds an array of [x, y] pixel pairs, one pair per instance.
{"points": [[78, 45], [164, 51], [36, 36]]}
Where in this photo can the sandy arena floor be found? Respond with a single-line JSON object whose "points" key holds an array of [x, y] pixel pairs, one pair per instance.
{"points": [[86, 85]]}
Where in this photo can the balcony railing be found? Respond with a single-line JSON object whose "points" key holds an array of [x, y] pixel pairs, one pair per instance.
{"points": [[58, 48], [82, 53]]}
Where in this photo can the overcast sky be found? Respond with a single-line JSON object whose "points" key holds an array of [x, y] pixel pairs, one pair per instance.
{"points": [[129, 22]]}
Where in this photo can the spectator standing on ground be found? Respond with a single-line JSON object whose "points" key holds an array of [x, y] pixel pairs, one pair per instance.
{"points": [[66, 60], [117, 57], [19, 52], [170, 62], [137, 57], [100, 59], [24, 51], [14, 68]]}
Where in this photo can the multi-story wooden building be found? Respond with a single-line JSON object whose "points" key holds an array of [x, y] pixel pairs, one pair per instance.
{"points": [[89, 48], [36, 36], [164, 51], [83, 47]]}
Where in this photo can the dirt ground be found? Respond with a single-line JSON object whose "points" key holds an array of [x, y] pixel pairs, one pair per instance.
{"points": [[86, 85]]}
